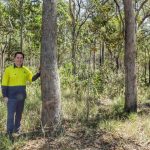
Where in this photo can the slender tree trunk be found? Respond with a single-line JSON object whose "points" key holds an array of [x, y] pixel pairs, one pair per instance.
{"points": [[50, 84], [94, 61], [2, 62], [145, 69], [117, 63], [148, 65], [130, 72], [73, 34], [100, 57], [103, 52], [73, 55], [21, 24], [145, 72], [94, 55], [117, 58], [149, 70], [90, 61]]}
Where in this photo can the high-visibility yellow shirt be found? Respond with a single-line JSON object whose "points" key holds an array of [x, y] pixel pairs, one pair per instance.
{"points": [[15, 76], [14, 82]]}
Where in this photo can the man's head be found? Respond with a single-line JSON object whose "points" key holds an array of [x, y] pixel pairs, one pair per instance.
{"points": [[18, 59]]}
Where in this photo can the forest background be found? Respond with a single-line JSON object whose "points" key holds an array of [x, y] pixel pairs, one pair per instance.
{"points": [[90, 56]]}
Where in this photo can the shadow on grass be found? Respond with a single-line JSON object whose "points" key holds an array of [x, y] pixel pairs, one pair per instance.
{"points": [[107, 114], [144, 109], [80, 137], [116, 112], [76, 136], [31, 135]]}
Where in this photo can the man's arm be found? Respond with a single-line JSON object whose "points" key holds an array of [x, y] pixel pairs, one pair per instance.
{"points": [[36, 76], [4, 91], [32, 77]]}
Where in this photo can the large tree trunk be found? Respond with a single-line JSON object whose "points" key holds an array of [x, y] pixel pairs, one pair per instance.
{"points": [[50, 84], [130, 71]]}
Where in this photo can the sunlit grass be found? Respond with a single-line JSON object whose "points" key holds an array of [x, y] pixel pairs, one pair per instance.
{"points": [[30, 119], [103, 113], [32, 110], [112, 118]]}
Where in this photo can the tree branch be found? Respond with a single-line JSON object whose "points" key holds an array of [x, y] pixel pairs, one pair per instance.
{"points": [[141, 6], [143, 19], [119, 10]]}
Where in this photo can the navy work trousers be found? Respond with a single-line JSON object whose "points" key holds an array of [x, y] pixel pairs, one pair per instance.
{"points": [[14, 113]]}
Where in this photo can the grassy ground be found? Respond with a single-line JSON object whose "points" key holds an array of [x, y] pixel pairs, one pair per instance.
{"points": [[102, 126]]}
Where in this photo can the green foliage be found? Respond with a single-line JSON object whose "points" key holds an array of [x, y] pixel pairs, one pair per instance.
{"points": [[32, 108], [2, 115], [63, 14], [99, 82], [109, 125], [118, 106], [5, 143], [66, 75]]}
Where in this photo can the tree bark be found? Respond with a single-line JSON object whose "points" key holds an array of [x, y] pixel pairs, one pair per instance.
{"points": [[148, 65], [50, 83], [130, 71], [145, 73], [73, 34], [94, 61], [21, 24], [102, 50]]}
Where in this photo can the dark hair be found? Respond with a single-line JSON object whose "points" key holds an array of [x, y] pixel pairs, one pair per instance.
{"points": [[19, 53]]}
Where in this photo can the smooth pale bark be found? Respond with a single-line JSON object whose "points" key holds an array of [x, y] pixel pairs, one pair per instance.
{"points": [[130, 70], [50, 84]]}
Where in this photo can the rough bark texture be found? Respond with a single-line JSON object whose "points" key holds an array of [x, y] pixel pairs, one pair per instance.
{"points": [[130, 71], [50, 84]]}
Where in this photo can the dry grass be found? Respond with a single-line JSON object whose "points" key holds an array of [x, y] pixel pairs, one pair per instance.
{"points": [[107, 127]]}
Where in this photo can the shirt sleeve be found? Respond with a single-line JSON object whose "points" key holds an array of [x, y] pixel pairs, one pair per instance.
{"points": [[5, 81], [29, 75], [36, 76]]}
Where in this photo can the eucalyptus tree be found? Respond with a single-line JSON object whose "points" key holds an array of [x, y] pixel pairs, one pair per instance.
{"points": [[130, 48], [50, 84]]}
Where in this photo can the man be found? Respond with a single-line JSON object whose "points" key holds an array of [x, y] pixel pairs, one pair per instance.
{"points": [[14, 91]]}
